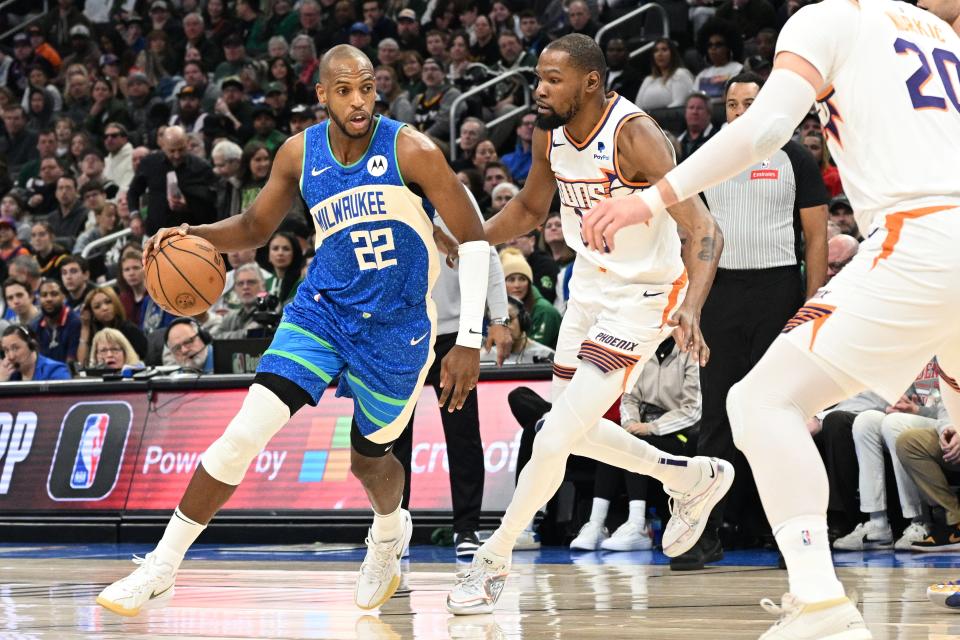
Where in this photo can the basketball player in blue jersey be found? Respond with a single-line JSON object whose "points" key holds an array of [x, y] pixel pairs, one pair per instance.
{"points": [[623, 303], [363, 314]]}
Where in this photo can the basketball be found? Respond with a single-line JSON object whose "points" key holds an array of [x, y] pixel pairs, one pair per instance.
{"points": [[186, 276]]}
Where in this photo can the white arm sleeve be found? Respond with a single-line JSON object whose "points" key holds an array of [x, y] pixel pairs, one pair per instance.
{"points": [[765, 127], [474, 267]]}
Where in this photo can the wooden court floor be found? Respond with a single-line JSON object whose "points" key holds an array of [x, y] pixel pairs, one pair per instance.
{"points": [[53, 598]]}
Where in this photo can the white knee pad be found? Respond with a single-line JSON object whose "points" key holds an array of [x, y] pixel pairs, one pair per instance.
{"points": [[260, 417]]}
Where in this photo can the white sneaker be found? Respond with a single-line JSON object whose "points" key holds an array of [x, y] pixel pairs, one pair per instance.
{"points": [[689, 511], [149, 586], [629, 537], [478, 588], [380, 572], [837, 619], [590, 536], [914, 533], [864, 538], [527, 541]]}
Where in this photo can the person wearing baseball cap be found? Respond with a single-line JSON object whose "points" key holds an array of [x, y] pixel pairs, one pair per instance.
{"points": [[189, 114], [841, 213], [42, 48], [408, 32], [360, 37], [265, 128], [276, 97], [301, 117]]}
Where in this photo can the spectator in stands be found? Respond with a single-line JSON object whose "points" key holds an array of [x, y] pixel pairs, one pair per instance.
{"points": [[79, 145], [499, 197], [248, 285], [484, 155], [360, 37], [10, 245], [663, 408], [106, 108], [438, 46], [840, 251], [41, 193], [432, 108], [138, 306], [699, 128], [760, 284], [523, 348], [281, 71], [161, 19], [254, 170], [398, 102], [75, 275], [380, 25], [669, 83], [57, 327], [809, 125], [472, 132], [189, 199], [189, 346], [519, 160], [227, 157], [831, 175], [19, 300], [64, 128], [26, 269], [872, 432], [46, 148], [38, 78], [235, 58], [92, 173], [70, 216], [408, 32], [17, 144], [722, 47], [579, 20], [304, 54], [842, 214], [118, 164], [542, 264], [926, 455], [102, 309], [230, 299], [234, 106], [622, 76], [411, 67], [388, 54], [105, 223], [195, 36], [544, 319], [85, 50], [189, 115], [484, 47], [749, 16], [112, 350], [562, 254], [46, 249], [533, 38], [77, 99], [283, 258], [40, 113], [140, 101], [22, 362], [265, 129]]}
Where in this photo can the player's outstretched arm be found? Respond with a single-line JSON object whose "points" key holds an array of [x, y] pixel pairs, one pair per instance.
{"points": [[422, 163], [529, 208], [253, 227]]}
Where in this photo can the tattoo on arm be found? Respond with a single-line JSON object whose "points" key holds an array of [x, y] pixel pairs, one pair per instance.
{"points": [[706, 249]]}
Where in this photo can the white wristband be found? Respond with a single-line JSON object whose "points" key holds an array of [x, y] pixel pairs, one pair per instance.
{"points": [[474, 267], [652, 198]]}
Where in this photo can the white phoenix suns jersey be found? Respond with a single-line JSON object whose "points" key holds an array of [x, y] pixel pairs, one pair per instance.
{"points": [[588, 171], [891, 107]]}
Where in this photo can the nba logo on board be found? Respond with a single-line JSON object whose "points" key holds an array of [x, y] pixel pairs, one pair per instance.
{"points": [[806, 538], [377, 166], [90, 450], [91, 447]]}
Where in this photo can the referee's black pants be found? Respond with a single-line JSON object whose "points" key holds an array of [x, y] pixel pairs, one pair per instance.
{"points": [[464, 449], [743, 314]]}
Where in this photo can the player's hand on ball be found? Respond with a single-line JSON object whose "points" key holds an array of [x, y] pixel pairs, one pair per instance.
{"points": [[688, 335], [459, 371], [601, 223], [153, 244]]}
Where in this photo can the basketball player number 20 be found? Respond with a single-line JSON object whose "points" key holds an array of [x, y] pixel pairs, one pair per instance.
{"points": [[917, 82], [372, 245]]}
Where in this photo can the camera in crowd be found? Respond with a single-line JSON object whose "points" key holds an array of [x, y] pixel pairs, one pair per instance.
{"points": [[268, 314]]}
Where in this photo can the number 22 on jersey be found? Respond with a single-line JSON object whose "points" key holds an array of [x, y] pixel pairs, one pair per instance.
{"points": [[372, 247], [948, 68]]}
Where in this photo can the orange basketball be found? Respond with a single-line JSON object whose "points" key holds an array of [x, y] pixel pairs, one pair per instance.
{"points": [[186, 276]]}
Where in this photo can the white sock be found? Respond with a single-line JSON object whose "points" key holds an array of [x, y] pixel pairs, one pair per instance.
{"points": [[806, 549], [598, 513], [387, 526], [638, 513], [878, 520], [181, 532]]}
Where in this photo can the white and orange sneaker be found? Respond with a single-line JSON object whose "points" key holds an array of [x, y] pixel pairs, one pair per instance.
{"points": [[149, 586], [837, 619]]}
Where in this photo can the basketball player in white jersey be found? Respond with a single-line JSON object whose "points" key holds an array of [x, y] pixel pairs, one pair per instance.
{"points": [[885, 78], [623, 303]]}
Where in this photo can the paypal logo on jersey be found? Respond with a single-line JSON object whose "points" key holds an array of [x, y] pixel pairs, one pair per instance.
{"points": [[350, 206]]}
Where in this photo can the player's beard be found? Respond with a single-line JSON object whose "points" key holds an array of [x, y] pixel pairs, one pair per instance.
{"points": [[347, 132], [554, 119]]}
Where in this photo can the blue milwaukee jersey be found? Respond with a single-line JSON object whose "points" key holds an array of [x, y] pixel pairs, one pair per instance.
{"points": [[375, 254]]}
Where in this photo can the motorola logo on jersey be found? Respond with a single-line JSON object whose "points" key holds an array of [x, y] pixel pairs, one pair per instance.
{"points": [[377, 166], [90, 449]]}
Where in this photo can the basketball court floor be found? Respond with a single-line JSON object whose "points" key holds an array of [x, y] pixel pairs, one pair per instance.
{"points": [[306, 591]]}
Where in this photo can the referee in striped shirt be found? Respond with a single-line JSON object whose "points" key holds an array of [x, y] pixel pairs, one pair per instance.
{"points": [[774, 222]]}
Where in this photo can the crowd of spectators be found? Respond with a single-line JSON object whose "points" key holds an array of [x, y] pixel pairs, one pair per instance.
{"points": [[119, 118]]}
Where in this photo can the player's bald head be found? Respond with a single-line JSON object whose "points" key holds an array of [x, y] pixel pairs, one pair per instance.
{"points": [[343, 59]]}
